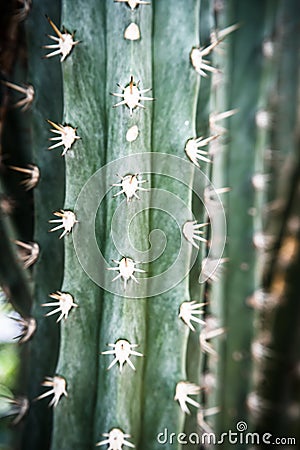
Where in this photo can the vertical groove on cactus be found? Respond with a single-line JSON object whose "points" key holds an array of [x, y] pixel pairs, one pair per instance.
{"points": [[173, 125], [48, 195], [220, 85], [195, 354]]}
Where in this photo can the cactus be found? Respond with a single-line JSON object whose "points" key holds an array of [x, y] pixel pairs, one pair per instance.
{"points": [[137, 323]]}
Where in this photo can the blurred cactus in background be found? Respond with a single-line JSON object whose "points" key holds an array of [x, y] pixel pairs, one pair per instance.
{"points": [[149, 224]]}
